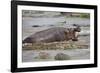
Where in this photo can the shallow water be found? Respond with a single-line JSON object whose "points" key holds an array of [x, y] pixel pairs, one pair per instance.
{"points": [[49, 22], [74, 54]]}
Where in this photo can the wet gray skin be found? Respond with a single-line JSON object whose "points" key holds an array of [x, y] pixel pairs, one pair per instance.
{"points": [[53, 35]]}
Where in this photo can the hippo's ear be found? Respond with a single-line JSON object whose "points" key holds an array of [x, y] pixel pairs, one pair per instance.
{"points": [[74, 24]]}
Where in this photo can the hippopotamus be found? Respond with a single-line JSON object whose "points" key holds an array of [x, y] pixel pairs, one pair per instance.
{"points": [[55, 34]]}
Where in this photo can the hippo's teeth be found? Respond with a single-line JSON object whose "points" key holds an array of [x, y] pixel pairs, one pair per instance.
{"points": [[76, 34]]}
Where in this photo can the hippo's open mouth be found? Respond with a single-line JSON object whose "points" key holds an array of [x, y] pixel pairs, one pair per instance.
{"points": [[76, 34], [76, 37]]}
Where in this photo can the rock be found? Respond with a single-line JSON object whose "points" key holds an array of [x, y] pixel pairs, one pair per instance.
{"points": [[36, 26], [44, 55], [61, 56]]}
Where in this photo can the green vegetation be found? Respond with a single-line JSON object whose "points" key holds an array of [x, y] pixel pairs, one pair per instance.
{"points": [[85, 15]]}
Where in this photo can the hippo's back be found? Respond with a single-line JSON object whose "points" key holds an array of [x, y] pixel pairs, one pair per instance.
{"points": [[50, 31], [49, 35]]}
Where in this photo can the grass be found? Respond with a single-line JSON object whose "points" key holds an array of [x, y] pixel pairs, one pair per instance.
{"points": [[85, 16]]}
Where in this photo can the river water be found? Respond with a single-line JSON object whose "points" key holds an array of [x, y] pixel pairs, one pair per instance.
{"points": [[45, 23], [74, 54]]}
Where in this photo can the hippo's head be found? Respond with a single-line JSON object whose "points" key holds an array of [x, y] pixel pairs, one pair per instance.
{"points": [[72, 33], [77, 29]]}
